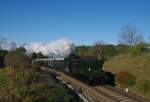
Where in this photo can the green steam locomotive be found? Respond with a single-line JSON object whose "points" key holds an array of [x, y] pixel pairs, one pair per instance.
{"points": [[85, 68]]}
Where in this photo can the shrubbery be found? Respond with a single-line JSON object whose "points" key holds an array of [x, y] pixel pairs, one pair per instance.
{"points": [[3, 53], [27, 83], [125, 79], [12, 59], [139, 49]]}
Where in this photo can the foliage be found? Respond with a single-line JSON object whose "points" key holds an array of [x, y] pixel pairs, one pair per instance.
{"points": [[107, 51], [100, 50], [125, 79], [2, 55], [38, 55], [82, 50], [139, 49], [14, 58], [27, 83], [122, 49]]}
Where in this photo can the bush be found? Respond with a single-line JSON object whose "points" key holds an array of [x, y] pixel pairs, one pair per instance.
{"points": [[139, 49], [27, 83], [12, 59], [125, 79], [2, 56]]}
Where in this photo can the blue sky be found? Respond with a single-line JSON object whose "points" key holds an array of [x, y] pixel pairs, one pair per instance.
{"points": [[82, 21]]}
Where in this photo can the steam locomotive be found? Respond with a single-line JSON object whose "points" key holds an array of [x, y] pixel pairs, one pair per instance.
{"points": [[85, 68]]}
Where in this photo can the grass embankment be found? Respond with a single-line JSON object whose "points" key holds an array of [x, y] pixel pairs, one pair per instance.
{"points": [[27, 83], [138, 66], [2, 78]]}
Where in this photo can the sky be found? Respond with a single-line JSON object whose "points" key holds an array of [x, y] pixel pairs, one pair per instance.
{"points": [[82, 21]]}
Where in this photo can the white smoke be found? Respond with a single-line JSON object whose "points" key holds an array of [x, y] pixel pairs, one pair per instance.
{"points": [[6, 44], [62, 47]]}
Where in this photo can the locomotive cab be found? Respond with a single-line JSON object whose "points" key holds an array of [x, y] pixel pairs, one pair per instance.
{"points": [[87, 68]]}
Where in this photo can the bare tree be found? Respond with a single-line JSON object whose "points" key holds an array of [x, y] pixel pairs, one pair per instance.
{"points": [[130, 35], [98, 49]]}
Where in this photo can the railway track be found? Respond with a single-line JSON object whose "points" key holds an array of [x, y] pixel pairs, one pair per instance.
{"points": [[101, 93], [115, 95], [130, 95]]}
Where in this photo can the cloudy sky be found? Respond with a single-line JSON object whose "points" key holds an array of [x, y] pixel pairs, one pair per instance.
{"points": [[82, 21]]}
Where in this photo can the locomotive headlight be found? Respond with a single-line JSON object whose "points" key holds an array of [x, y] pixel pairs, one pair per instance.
{"points": [[89, 69]]}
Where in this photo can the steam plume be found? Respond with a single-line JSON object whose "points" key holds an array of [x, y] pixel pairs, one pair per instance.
{"points": [[6, 44], [62, 47]]}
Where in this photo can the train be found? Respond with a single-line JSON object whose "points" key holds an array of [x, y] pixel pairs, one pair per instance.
{"points": [[85, 68]]}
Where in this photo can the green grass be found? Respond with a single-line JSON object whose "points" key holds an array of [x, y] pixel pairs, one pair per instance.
{"points": [[2, 78]]}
